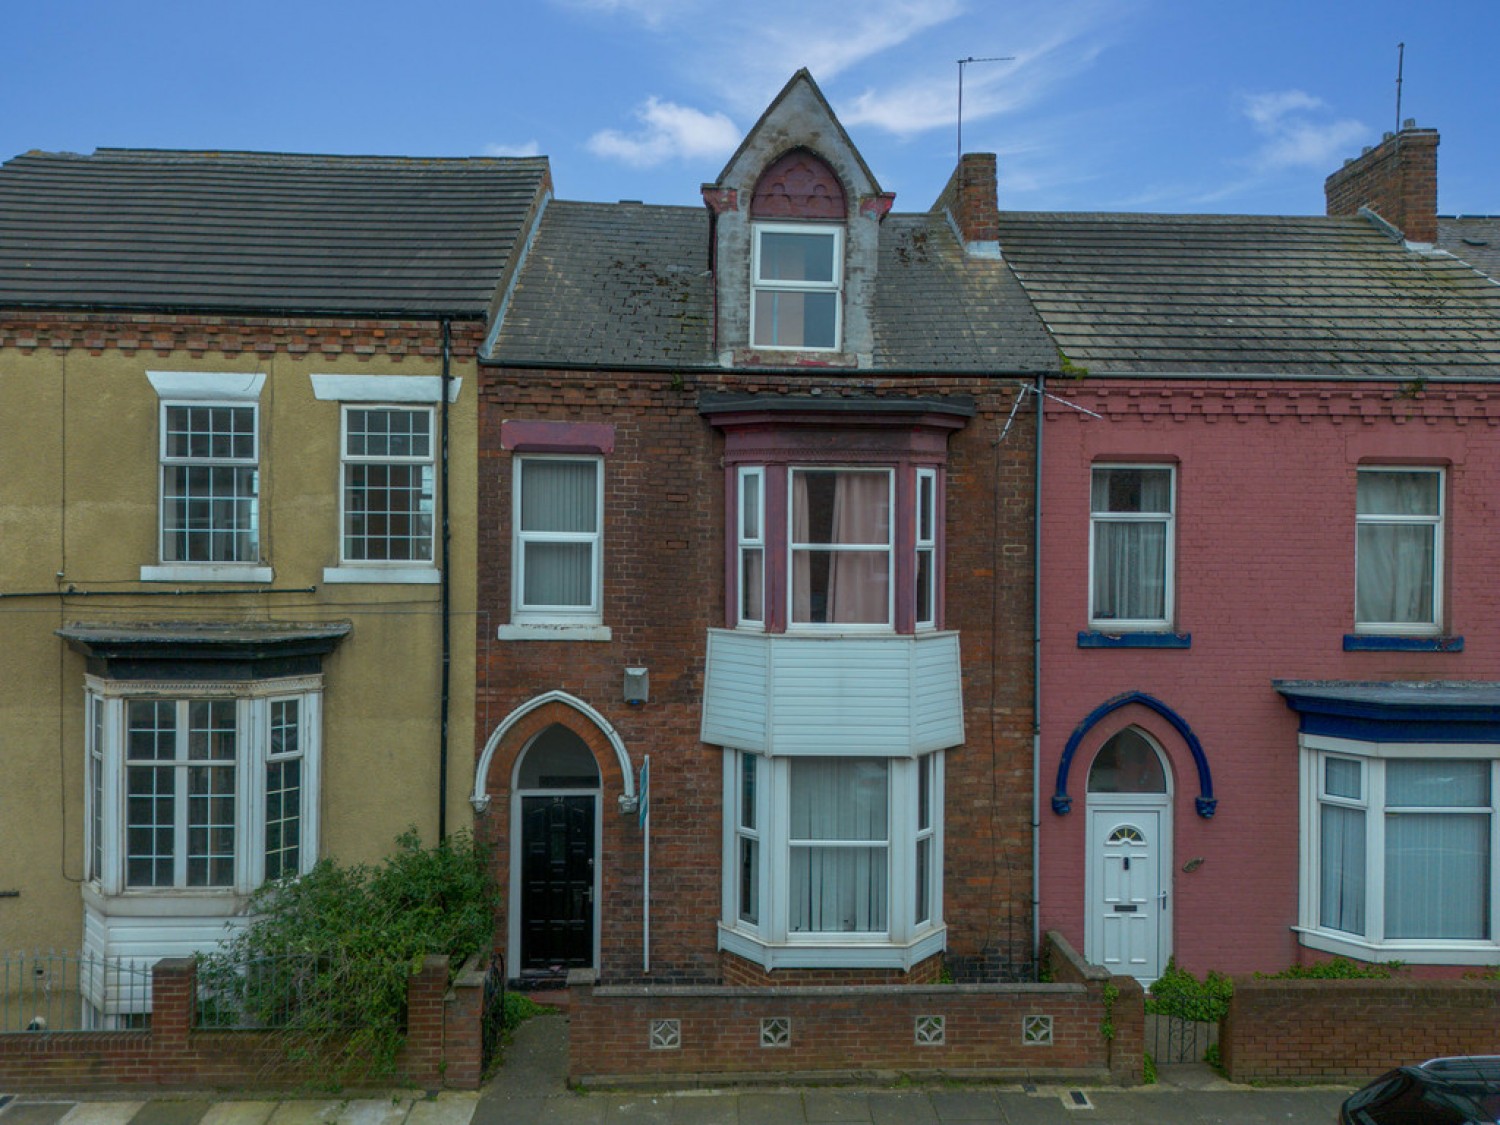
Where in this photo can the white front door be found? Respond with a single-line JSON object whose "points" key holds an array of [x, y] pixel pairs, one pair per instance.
{"points": [[1129, 891]]}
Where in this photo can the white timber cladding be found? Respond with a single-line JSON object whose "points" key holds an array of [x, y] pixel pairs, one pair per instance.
{"points": [[891, 696]]}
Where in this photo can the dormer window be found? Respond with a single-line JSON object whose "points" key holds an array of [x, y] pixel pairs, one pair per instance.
{"points": [[798, 276], [796, 298]]}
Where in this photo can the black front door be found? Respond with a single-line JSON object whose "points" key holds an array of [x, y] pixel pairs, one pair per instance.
{"points": [[557, 882]]}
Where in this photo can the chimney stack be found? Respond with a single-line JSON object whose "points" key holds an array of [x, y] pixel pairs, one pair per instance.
{"points": [[971, 202], [1397, 179]]}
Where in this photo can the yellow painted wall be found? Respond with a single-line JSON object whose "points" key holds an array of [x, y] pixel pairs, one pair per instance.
{"points": [[79, 484]]}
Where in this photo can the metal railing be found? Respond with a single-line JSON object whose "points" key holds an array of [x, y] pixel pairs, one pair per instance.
{"points": [[293, 991], [59, 990]]}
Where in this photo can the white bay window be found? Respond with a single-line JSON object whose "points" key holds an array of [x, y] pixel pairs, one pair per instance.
{"points": [[832, 861]]}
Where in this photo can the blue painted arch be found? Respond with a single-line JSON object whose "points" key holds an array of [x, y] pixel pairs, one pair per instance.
{"points": [[1206, 803]]}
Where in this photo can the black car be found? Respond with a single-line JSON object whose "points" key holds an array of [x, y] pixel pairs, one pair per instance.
{"points": [[1463, 1090]]}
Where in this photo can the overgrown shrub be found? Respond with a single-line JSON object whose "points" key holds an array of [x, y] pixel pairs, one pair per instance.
{"points": [[328, 954], [1178, 993]]}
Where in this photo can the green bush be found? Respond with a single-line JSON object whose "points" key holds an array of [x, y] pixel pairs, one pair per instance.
{"points": [[1178, 993], [1339, 968], [328, 955]]}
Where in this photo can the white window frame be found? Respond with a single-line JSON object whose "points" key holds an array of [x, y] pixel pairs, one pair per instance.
{"points": [[747, 514], [200, 388], [591, 614], [1169, 519], [770, 287], [413, 569], [1436, 522], [925, 508], [106, 733], [888, 548], [1372, 758], [768, 941]]}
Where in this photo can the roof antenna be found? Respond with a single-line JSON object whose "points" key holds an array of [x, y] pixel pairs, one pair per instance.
{"points": [[1400, 65], [961, 64]]}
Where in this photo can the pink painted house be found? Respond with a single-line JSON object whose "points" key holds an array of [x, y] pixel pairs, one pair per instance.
{"points": [[1270, 626]]}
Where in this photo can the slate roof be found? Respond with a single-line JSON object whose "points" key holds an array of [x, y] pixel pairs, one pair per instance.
{"points": [[1262, 295], [1474, 239], [260, 232], [628, 284]]}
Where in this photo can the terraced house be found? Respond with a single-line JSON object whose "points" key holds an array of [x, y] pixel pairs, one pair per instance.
{"points": [[237, 527]]}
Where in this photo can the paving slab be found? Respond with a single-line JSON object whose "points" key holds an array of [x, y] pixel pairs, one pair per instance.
{"points": [[102, 1113], [166, 1111], [706, 1109], [566, 1109], [35, 1113], [451, 1107], [771, 1108], [966, 1105], [310, 1112], [836, 1105], [902, 1107], [238, 1113]]}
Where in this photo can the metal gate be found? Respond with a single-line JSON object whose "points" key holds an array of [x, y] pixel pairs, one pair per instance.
{"points": [[494, 1009]]}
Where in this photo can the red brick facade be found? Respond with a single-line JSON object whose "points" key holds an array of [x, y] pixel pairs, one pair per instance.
{"points": [[664, 588]]}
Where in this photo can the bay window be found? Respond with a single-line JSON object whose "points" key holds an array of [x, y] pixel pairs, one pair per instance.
{"points": [[212, 788], [834, 860], [1398, 550], [1400, 850]]}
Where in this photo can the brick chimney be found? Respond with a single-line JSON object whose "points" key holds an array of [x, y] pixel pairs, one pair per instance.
{"points": [[972, 204], [1397, 179]]}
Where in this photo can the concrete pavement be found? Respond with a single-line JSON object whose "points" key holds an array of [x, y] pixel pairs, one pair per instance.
{"points": [[530, 1090]]}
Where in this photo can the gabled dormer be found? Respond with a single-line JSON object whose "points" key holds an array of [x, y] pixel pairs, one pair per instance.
{"points": [[794, 232]]}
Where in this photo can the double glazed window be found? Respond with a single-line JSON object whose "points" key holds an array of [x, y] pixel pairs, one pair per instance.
{"points": [[388, 485], [1398, 550], [841, 546], [210, 483], [558, 522], [1404, 851], [201, 792], [1131, 546], [828, 847], [796, 295]]}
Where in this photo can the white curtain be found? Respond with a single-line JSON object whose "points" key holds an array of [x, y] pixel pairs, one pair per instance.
{"points": [[1130, 556], [840, 883], [1342, 879], [559, 500], [1395, 561], [841, 509], [1437, 864]]}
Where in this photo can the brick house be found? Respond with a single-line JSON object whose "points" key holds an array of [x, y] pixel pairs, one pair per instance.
{"points": [[749, 507], [236, 528], [1271, 683]]}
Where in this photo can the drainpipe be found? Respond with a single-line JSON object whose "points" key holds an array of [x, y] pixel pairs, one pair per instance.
{"points": [[445, 588], [1036, 684]]}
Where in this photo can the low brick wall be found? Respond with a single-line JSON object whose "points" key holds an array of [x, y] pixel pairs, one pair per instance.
{"points": [[1352, 1030], [443, 1046], [687, 1035]]}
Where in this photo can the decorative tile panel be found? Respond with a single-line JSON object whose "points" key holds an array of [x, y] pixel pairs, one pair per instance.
{"points": [[931, 1031], [666, 1035], [1036, 1031], [776, 1031]]}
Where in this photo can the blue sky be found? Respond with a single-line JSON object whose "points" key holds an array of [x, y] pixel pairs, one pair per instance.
{"points": [[1151, 105]]}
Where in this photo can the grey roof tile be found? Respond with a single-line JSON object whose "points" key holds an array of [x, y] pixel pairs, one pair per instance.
{"points": [[342, 235], [1251, 295], [1474, 239]]}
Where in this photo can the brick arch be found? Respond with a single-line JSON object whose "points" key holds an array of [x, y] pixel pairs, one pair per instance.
{"points": [[503, 750], [799, 185]]}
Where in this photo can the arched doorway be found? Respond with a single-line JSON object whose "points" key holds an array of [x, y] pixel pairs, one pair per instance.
{"points": [[1128, 885], [555, 842]]}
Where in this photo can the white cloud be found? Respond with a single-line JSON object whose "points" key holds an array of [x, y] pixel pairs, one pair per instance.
{"points": [[652, 13], [670, 130], [529, 148], [1294, 137]]}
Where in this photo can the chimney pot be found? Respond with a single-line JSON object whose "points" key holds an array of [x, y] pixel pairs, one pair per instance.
{"points": [[1409, 123]]}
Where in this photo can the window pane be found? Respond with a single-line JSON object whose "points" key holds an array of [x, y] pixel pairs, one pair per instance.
{"points": [[1399, 493], [1342, 873], [149, 801], [559, 496], [837, 890], [747, 791], [925, 600], [1395, 572], [210, 854], [388, 513], [152, 732], [1130, 571], [839, 587], [838, 799], [1342, 778], [793, 256], [209, 513], [923, 911], [283, 818], [750, 507], [752, 584], [850, 512], [1422, 783], [1132, 490], [211, 729], [749, 881], [796, 320], [1437, 876], [559, 574], [1127, 763]]}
